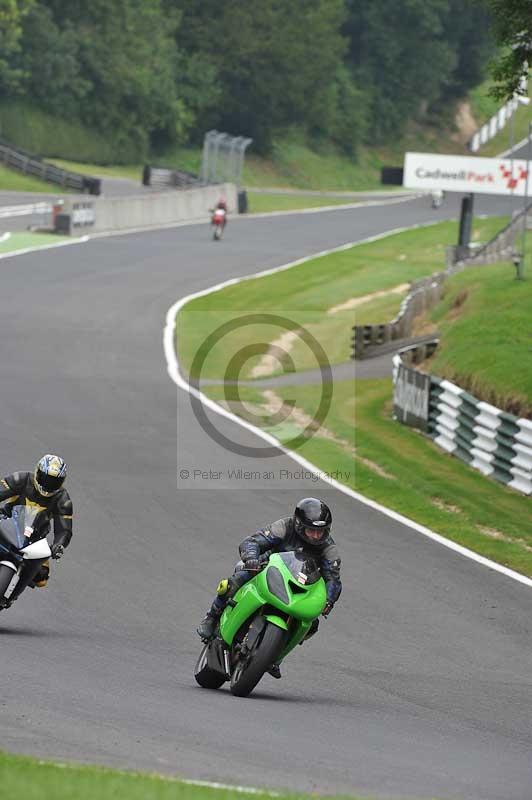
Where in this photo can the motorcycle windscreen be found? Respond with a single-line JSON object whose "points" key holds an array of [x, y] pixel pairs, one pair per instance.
{"points": [[302, 567], [17, 529]]}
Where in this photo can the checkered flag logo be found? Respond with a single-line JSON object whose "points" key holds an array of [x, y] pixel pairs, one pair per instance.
{"points": [[511, 182]]}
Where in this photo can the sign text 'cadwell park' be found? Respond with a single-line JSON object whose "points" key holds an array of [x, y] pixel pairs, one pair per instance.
{"points": [[466, 174]]}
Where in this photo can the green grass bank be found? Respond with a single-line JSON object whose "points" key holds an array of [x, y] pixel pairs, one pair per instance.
{"points": [[486, 344], [26, 240]]}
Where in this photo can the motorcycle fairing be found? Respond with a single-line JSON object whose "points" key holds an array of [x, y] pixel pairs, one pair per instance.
{"points": [[17, 529], [306, 601]]}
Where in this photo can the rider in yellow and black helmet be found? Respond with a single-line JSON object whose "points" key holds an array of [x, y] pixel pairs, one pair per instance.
{"points": [[42, 493]]}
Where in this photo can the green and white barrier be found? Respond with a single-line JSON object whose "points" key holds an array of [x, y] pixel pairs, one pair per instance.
{"points": [[491, 441]]}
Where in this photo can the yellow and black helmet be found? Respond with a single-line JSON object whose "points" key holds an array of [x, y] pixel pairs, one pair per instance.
{"points": [[49, 475]]}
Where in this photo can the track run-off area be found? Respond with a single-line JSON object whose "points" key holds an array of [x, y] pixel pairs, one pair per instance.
{"points": [[418, 685]]}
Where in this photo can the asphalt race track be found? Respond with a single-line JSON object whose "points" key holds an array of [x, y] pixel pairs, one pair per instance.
{"points": [[420, 683]]}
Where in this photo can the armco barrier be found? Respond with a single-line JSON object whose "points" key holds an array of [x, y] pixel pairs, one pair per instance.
{"points": [[423, 294], [491, 441], [141, 211], [170, 178], [30, 165]]}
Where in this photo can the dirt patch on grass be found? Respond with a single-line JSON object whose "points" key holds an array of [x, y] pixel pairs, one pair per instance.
{"points": [[465, 122], [300, 418], [354, 302], [444, 506], [493, 533], [270, 361]]}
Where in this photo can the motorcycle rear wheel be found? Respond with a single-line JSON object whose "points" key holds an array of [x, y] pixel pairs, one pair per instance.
{"points": [[206, 676], [244, 679]]}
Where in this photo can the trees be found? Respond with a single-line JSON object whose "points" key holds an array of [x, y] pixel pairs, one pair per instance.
{"points": [[512, 27], [155, 72], [275, 61], [110, 63], [12, 13], [410, 56]]}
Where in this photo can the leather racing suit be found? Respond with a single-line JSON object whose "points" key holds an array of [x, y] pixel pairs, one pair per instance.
{"points": [[19, 489]]}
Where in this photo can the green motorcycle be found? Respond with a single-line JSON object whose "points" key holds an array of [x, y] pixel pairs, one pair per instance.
{"points": [[263, 622]]}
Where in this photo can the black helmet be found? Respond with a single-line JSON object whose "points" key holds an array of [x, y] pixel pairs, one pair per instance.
{"points": [[312, 520]]}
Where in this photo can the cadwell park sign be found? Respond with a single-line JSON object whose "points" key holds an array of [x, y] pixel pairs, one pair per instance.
{"points": [[469, 174]]}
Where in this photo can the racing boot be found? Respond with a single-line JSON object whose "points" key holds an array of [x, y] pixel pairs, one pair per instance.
{"points": [[41, 578], [207, 628]]}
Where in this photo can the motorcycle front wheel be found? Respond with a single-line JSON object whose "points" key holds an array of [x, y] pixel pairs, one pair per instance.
{"points": [[246, 676]]}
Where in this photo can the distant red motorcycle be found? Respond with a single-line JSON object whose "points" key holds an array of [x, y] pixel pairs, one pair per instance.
{"points": [[218, 221]]}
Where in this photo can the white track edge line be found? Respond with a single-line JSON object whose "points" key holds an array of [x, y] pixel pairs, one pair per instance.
{"points": [[176, 377], [164, 778]]}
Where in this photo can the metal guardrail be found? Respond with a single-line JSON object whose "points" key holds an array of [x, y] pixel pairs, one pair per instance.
{"points": [[166, 178], [423, 294], [497, 444], [30, 165]]}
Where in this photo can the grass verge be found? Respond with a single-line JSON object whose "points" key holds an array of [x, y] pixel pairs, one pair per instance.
{"points": [[260, 203], [306, 294], [23, 240], [11, 181], [131, 171], [38, 780]]}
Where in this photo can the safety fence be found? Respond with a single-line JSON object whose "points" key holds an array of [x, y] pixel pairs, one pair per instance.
{"points": [[497, 444], [23, 162]]}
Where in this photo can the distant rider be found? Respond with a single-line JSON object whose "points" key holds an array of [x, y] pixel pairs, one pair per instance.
{"points": [[42, 494], [307, 530], [221, 205]]}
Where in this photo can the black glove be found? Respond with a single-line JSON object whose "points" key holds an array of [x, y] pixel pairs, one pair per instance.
{"points": [[57, 551], [252, 564], [327, 610]]}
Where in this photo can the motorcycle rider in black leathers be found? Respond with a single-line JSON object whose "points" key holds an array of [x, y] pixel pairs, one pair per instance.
{"points": [[42, 494], [307, 530]]}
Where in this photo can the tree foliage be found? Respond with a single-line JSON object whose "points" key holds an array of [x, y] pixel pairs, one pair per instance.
{"points": [[512, 25], [12, 13], [163, 71]]}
